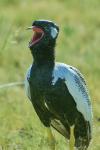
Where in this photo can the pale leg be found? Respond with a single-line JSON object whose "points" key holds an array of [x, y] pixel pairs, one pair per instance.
{"points": [[51, 139], [72, 139]]}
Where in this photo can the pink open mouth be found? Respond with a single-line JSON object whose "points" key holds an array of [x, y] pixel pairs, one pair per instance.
{"points": [[37, 36]]}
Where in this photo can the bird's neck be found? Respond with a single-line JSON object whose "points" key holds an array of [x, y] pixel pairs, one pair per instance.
{"points": [[44, 55]]}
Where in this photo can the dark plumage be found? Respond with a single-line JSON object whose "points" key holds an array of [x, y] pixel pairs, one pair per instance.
{"points": [[57, 91]]}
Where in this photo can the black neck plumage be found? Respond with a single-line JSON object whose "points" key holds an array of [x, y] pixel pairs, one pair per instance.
{"points": [[44, 55]]}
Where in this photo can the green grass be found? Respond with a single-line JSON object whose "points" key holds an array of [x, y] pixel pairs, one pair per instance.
{"points": [[78, 44]]}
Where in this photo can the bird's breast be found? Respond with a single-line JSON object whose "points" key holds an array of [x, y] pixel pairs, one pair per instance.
{"points": [[56, 96], [40, 80]]}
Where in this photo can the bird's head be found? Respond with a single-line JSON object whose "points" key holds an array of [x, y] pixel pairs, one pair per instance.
{"points": [[44, 34]]}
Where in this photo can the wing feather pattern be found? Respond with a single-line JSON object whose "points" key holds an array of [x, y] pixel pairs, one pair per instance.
{"points": [[77, 88]]}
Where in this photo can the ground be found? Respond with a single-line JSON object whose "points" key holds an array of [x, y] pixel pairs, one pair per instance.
{"points": [[78, 44]]}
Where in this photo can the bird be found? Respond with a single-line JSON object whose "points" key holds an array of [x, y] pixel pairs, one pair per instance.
{"points": [[57, 91]]}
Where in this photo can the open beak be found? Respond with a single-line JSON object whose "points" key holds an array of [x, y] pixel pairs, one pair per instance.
{"points": [[37, 35]]}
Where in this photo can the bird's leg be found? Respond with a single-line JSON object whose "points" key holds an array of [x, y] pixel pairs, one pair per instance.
{"points": [[72, 139], [51, 139]]}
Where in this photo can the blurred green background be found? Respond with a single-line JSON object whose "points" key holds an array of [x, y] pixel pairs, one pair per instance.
{"points": [[78, 44]]}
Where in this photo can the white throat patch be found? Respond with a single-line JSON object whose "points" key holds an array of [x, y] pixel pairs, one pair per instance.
{"points": [[54, 32]]}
